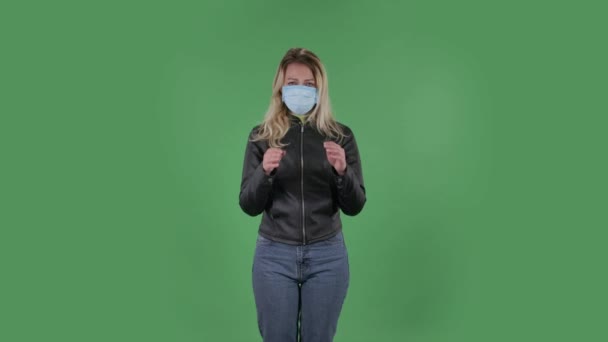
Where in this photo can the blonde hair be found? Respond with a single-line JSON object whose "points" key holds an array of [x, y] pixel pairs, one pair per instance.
{"points": [[276, 123]]}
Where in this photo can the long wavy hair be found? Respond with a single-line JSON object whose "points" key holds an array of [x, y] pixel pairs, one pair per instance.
{"points": [[276, 122]]}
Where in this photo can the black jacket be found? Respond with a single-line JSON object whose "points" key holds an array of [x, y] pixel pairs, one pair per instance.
{"points": [[300, 199]]}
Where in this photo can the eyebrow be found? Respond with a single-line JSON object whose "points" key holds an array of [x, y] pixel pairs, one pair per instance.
{"points": [[293, 78]]}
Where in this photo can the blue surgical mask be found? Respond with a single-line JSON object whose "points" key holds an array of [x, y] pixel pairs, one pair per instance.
{"points": [[299, 99]]}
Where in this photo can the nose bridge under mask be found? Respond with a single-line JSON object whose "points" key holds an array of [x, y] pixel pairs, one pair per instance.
{"points": [[299, 99]]}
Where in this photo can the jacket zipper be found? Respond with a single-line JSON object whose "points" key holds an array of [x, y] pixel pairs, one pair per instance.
{"points": [[302, 182]]}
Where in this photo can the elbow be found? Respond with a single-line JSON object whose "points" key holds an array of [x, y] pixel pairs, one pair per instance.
{"points": [[248, 208], [250, 211], [356, 208]]}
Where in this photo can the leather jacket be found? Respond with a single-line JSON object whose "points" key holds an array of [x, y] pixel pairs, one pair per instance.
{"points": [[302, 198]]}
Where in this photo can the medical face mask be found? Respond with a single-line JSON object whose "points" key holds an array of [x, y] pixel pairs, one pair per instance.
{"points": [[299, 99]]}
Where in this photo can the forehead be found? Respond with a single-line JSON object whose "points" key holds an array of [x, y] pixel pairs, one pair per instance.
{"points": [[298, 70]]}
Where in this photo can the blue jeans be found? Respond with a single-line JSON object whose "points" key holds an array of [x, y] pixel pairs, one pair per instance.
{"points": [[299, 290]]}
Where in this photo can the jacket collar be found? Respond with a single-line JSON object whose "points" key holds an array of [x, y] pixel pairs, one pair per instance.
{"points": [[294, 120]]}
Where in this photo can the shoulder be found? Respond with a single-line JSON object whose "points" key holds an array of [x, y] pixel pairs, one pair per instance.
{"points": [[255, 140], [254, 130], [348, 132], [342, 125]]}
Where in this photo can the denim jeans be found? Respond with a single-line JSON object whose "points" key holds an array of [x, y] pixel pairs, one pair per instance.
{"points": [[299, 290]]}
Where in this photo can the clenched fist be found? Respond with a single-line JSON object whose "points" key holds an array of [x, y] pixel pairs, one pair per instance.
{"points": [[271, 160], [335, 156]]}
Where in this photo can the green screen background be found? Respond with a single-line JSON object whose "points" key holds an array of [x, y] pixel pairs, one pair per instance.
{"points": [[482, 136]]}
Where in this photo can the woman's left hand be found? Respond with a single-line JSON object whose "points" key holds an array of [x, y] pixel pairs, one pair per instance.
{"points": [[335, 156]]}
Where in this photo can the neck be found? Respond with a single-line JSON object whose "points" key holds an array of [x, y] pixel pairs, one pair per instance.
{"points": [[302, 117]]}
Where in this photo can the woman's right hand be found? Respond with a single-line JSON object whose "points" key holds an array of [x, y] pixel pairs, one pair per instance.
{"points": [[271, 160]]}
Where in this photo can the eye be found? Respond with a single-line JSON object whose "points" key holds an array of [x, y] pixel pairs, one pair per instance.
{"points": [[310, 84], [291, 83]]}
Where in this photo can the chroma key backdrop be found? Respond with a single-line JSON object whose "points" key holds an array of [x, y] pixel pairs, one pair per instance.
{"points": [[482, 133]]}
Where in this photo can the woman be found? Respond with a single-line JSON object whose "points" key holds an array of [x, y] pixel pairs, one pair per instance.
{"points": [[301, 168]]}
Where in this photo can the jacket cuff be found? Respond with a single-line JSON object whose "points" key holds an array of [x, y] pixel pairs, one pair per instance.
{"points": [[261, 178], [341, 180]]}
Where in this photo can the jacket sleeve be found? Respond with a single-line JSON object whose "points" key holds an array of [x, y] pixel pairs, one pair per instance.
{"points": [[255, 184], [350, 186]]}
